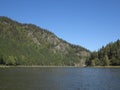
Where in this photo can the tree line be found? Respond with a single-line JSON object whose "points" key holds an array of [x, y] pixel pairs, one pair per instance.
{"points": [[108, 55]]}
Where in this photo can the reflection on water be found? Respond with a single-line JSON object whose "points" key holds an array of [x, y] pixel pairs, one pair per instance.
{"points": [[55, 78]]}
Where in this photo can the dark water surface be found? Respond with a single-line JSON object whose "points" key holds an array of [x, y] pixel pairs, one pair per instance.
{"points": [[55, 78]]}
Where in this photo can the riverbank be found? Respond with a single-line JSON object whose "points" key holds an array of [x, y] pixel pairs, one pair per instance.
{"points": [[5, 66], [8, 66], [105, 66]]}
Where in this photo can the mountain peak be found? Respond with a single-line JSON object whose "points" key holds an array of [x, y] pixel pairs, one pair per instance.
{"points": [[8, 21]]}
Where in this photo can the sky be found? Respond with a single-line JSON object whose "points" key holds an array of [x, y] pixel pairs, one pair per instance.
{"points": [[88, 23]]}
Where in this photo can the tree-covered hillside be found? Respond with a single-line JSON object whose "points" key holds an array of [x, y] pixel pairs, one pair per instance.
{"points": [[108, 55], [27, 44]]}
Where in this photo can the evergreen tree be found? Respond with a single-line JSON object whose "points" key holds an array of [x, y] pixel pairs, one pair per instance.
{"points": [[108, 55], [92, 62], [106, 60]]}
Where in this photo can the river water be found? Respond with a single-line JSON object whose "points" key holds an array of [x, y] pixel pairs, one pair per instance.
{"points": [[59, 78]]}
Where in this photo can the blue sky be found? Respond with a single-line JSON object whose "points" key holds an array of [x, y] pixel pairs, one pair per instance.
{"points": [[89, 23]]}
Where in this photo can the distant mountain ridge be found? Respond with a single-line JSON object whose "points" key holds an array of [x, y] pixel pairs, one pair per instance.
{"points": [[27, 44]]}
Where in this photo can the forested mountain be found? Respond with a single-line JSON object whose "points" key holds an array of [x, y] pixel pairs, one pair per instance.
{"points": [[108, 55], [27, 44]]}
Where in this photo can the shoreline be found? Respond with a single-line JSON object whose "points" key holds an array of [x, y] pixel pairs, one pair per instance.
{"points": [[29, 66], [5, 66], [104, 66]]}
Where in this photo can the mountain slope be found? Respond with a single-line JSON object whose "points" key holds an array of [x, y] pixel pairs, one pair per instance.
{"points": [[27, 44]]}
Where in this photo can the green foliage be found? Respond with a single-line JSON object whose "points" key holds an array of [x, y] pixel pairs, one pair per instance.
{"points": [[106, 60], [92, 62], [27, 44], [108, 55], [10, 60]]}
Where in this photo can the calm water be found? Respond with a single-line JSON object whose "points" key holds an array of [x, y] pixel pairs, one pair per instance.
{"points": [[59, 79]]}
